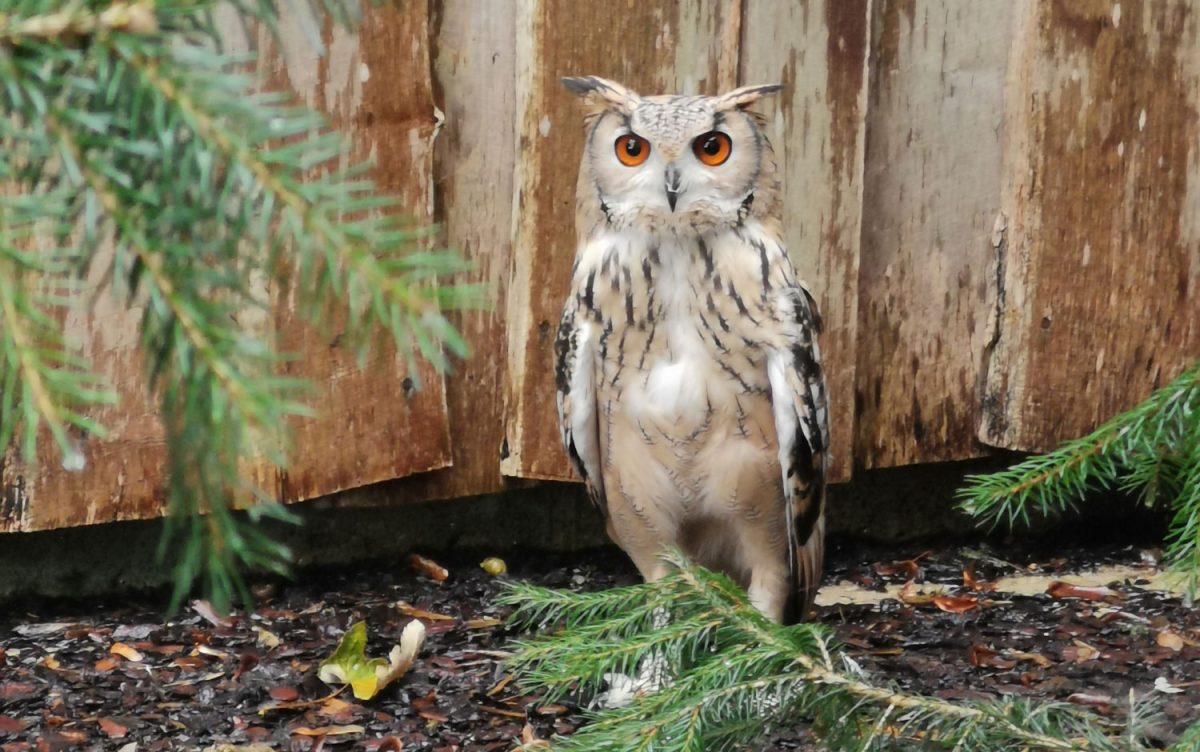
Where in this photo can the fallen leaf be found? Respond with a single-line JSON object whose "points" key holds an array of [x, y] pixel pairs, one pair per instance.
{"points": [[981, 655], [353, 728], [428, 567], [50, 662], [284, 694], [14, 691], [494, 566], [105, 664], [409, 609], [530, 739], [1169, 639], [350, 665], [1080, 652], [126, 652], [971, 583], [956, 604], [209, 614], [1037, 658], [486, 622], [1060, 589], [113, 729], [908, 567], [42, 630], [266, 638], [10, 725], [908, 594], [1162, 685], [1100, 702]]}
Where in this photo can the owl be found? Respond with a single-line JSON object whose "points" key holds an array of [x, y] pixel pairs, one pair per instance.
{"points": [[690, 392]]}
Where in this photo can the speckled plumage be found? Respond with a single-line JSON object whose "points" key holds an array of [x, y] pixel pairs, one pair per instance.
{"points": [[690, 391]]}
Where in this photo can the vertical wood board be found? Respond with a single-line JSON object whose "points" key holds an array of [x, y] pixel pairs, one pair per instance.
{"points": [[474, 55], [1101, 258], [932, 196], [381, 421], [818, 50]]}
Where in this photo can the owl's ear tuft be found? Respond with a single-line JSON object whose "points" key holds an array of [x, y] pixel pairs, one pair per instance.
{"points": [[745, 96], [600, 93]]}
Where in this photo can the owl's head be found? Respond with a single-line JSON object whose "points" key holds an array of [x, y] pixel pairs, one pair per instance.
{"points": [[673, 160]]}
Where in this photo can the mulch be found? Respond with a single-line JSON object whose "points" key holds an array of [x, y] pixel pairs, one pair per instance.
{"points": [[115, 675]]}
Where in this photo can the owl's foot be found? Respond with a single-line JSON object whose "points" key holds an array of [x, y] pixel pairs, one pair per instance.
{"points": [[623, 689]]}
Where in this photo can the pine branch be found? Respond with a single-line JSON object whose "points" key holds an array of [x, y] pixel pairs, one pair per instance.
{"points": [[210, 192], [45, 382], [1154, 448], [735, 676]]}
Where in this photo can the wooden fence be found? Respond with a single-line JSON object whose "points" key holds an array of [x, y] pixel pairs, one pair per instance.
{"points": [[997, 204]]}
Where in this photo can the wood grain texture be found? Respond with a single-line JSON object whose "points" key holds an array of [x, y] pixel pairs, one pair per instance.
{"points": [[1101, 257], [934, 154], [818, 50], [474, 59], [373, 423], [557, 38], [123, 476]]}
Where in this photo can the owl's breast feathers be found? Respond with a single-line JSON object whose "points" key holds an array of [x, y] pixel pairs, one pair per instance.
{"points": [[690, 386]]}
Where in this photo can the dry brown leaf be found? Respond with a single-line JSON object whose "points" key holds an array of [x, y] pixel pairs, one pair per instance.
{"points": [[1060, 589], [113, 729], [127, 652], [981, 655], [266, 638], [352, 728], [105, 664], [1099, 702], [1037, 658], [530, 739], [50, 662], [209, 614], [1168, 639], [428, 567], [956, 604], [973, 584], [409, 609], [908, 594], [1080, 652], [486, 622]]}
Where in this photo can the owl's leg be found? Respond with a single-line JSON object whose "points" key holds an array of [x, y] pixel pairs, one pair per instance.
{"points": [[653, 673], [770, 585]]}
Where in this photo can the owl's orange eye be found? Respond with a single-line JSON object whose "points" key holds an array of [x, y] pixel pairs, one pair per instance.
{"points": [[712, 148], [632, 150]]}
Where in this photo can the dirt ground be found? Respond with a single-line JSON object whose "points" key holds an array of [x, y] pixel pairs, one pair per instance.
{"points": [[963, 622]]}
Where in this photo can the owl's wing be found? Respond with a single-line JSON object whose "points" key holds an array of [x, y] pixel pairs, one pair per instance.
{"points": [[575, 376], [802, 424]]}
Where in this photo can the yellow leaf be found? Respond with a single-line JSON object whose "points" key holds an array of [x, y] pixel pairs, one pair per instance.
{"points": [[494, 565], [367, 676], [125, 651]]}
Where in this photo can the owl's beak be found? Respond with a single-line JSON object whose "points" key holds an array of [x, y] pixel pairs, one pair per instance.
{"points": [[673, 189]]}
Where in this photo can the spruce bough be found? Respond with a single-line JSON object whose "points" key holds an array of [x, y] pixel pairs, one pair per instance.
{"points": [[736, 676], [136, 151]]}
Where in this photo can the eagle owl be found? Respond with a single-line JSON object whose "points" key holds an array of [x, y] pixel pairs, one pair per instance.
{"points": [[690, 393]]}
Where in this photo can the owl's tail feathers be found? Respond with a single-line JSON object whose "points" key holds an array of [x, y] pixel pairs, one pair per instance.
{"points": [[806, 574]]}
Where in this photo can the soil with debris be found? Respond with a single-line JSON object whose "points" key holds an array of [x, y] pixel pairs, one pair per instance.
{"points": [[116, 676]]}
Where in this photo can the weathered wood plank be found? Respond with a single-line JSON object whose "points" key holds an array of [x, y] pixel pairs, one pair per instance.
{"points": [[818, 50], [373, 423], [474, 57], [663, 47], [931, 199], [1101, 259]]}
